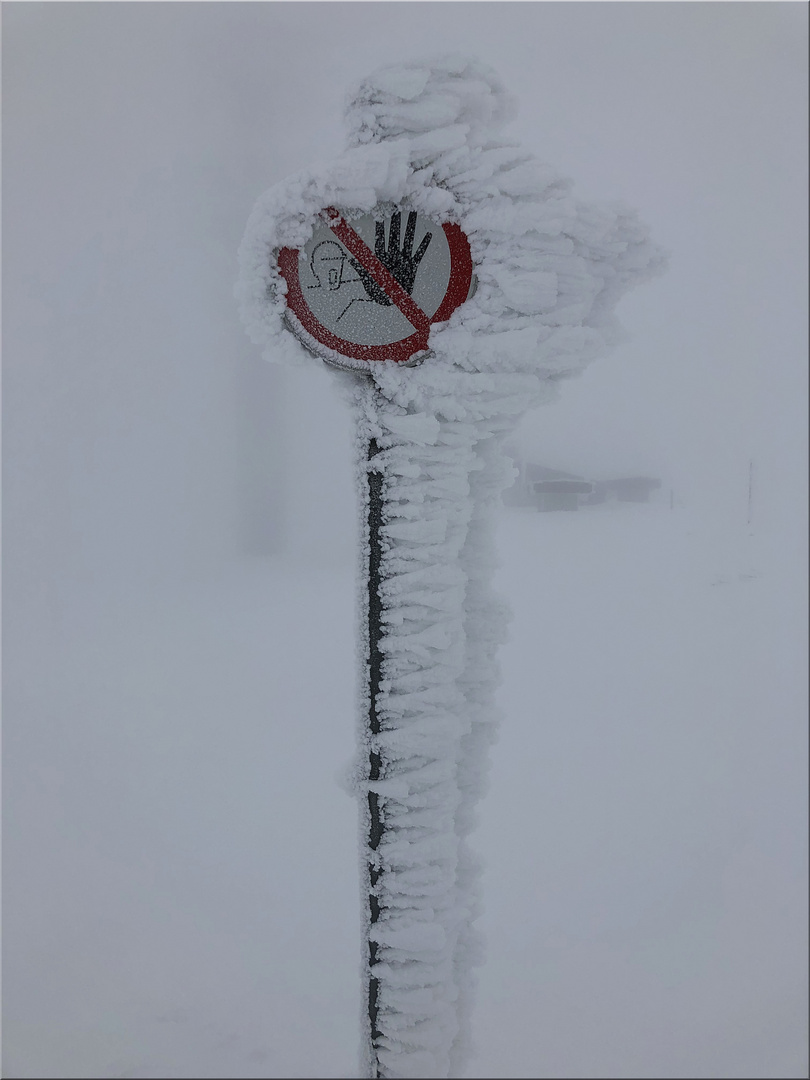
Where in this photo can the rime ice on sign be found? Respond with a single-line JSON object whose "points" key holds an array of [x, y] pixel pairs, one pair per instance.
{"points": [[430, 468], [345, 298], [371, 288]]}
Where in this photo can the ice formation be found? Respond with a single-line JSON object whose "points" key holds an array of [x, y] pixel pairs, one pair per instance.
{"points": [[550, 271]]}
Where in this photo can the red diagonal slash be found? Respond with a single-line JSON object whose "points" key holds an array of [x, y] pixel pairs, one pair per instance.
{"points": [[384, 278]]}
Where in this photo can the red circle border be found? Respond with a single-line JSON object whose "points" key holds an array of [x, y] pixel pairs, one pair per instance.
{"points": [[461, 270]]}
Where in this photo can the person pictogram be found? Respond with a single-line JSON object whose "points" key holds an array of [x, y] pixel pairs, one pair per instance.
{"points": [[328, 265]]}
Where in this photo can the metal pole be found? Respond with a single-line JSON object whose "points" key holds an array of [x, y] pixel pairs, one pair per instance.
{"points": [[750, 488], [375, 763]]}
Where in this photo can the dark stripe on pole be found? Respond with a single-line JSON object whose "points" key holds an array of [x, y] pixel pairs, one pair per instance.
{"points": [[375, 520]]}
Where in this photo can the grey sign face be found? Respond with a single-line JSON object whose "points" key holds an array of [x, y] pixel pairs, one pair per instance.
{"points": [[344, 296]]}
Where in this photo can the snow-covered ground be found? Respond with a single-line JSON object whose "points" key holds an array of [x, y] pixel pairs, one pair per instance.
{"points": [[195, 909], [648, 777]]}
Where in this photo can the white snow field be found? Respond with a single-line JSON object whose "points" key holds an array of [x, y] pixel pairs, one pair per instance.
{"points": [[642, 898]]}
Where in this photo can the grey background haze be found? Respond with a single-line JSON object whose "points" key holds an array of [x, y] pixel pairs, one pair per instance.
{"points": [[176, 509]]}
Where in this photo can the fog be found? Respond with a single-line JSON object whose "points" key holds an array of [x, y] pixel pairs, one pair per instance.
{"points": [[180, 534]]}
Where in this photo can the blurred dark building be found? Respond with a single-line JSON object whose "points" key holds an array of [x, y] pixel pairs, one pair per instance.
{"points": [[552, 489]]}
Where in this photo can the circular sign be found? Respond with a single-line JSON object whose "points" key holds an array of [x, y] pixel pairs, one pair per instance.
{"points": [[372, 289]]}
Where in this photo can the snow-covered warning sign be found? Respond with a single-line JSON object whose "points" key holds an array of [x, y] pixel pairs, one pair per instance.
{"points": [[431, 180], [371, 289]]}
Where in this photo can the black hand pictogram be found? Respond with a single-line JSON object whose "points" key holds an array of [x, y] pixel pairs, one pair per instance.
{"points": [[401, 264]]}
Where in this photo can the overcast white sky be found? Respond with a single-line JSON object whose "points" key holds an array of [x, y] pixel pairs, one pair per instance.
{"points": [[137, 137], [145, 441]]}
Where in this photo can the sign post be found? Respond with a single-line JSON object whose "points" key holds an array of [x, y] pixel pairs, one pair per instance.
{"points": [[366, 292], [451, 282]]}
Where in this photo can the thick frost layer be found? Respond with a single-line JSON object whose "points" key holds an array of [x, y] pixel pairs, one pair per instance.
{"points": [[550, 271]]}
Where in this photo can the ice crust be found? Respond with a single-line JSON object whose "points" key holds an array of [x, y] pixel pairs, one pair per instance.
{"points": [[550, 271]]}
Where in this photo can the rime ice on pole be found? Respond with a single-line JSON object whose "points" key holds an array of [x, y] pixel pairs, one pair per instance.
{"points": [[550, 271]]}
